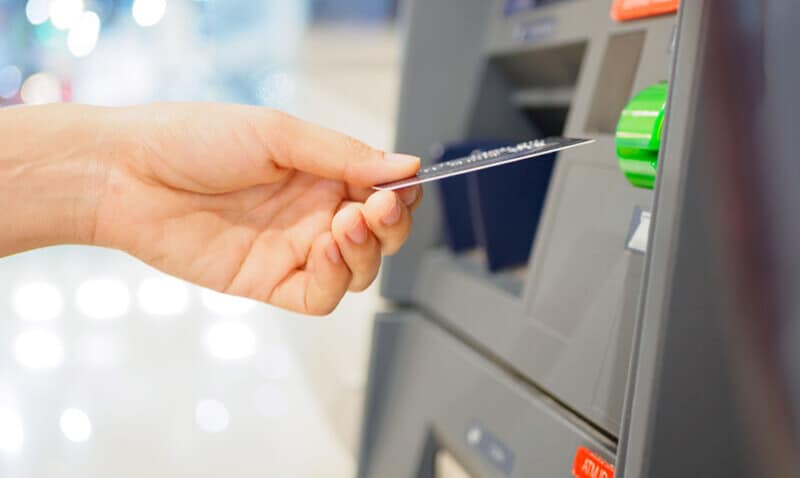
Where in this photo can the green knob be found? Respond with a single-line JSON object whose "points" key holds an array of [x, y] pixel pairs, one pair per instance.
{"points": [[639, 135]]}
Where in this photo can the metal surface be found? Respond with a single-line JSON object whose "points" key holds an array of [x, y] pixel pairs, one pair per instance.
{"points": [[565, 322], [433, 107], [464, 404], [716, 377], [715, 372]]}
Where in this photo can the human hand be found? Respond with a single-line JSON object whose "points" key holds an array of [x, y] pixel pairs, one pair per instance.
{"points": [[245, 200]]}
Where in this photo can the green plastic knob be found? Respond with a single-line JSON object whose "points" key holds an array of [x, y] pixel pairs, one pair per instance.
{"points": [[638, 135]]}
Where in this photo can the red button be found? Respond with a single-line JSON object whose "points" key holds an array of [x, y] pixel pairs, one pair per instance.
{"points": [[623, 10], [589, 465]]}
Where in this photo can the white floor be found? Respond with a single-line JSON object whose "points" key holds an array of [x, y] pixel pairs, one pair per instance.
{"points": [[109, 368]]}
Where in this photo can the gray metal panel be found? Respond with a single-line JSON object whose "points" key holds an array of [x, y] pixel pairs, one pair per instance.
{"points": [[582, 361], [648, 348], [382, 362], [585, 285], [438, 386], [571, 22], [441, 70], [714, 391], [469, 73], [694, 344]]}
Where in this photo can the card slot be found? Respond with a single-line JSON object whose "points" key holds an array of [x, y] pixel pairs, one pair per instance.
{"points": [[522, 95]]}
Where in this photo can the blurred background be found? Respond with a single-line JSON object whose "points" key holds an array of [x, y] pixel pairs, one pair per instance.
{"points": [[109, 368]]}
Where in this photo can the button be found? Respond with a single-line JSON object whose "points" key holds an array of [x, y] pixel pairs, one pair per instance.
{"points": [[638, 135], [623, 10]]}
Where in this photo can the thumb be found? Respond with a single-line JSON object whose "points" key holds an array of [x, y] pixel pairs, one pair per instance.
{"points": [[296, 144]]}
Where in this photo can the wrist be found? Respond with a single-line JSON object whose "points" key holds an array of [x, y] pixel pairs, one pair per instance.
{"points": [[51, 176]]}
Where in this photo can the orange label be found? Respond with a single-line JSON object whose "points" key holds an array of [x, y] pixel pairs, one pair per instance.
{"points": [[631, 9], [589, 465]]}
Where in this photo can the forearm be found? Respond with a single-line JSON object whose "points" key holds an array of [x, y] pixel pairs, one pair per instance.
{"points": [[51, 171]]}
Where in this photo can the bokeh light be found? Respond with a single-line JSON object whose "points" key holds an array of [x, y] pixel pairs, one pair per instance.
{"points": [[37, 11], [277, 89], [38, 349], [10, 81], [224, 304], [37, 301], [83, 34], [75, 425], [163, 296], [48, 37], [211, 416], [230, 340], [103, 298], [41, 88], [148, 12], [65, 13], [11, 431]]}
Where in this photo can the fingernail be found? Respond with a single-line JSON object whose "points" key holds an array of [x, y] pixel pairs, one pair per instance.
{"points": [[409, 196], [401, 158], [392, 216], [332, 251], [358, 231]]}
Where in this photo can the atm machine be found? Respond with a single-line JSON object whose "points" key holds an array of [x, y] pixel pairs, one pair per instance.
{"points": [[607, 351]]}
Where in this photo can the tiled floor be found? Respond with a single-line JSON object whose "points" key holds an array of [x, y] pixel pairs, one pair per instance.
{"points": [[109, 368]]}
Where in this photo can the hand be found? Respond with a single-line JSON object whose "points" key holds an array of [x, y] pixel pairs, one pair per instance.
{"points": [[247, 201]]}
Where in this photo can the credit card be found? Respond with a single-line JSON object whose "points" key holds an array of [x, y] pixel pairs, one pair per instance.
{"points": [[486, 159]]}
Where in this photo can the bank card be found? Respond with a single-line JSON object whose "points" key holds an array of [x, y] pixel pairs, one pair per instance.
{"points": [[479, 160]]}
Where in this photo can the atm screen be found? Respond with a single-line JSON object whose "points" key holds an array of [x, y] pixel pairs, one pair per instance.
{"points": [[447, 466]]}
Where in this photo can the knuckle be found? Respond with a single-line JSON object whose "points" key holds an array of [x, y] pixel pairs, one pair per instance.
{"points": [[323, 308], [420, 195], [277, 149], [359, 286], [393, 244], [392, 248], [364, 281], [338, 225], [277, 118], [358, 148], [353, 174], [344, 219], [359, 155]]}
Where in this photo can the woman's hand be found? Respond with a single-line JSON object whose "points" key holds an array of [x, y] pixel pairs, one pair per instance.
{"points": [[241, 199]]}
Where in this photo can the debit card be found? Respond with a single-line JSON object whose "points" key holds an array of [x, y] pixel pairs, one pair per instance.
{"points": [[478, 160]]}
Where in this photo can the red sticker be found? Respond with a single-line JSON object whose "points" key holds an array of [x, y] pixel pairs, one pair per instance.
{"points": [[623, 10], [589, 465]]}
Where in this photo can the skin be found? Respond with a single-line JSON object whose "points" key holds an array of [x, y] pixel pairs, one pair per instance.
{"points": [[240, 199]]}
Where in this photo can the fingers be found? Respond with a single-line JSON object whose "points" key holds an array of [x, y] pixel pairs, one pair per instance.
{"points": [[319, 288], [348, 258], [389, 218], [360, 248], [411, 197], [296, 144], [365, 232], [214, 148]]}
